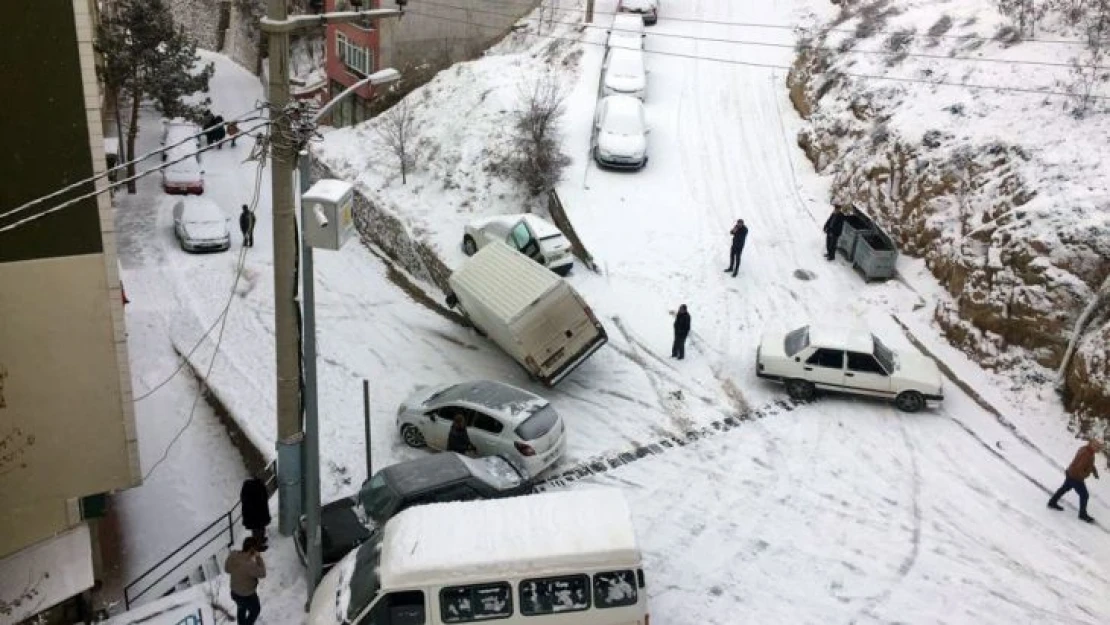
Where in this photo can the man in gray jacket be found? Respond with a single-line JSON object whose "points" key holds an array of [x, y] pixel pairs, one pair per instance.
{"points": [[246, 568]]}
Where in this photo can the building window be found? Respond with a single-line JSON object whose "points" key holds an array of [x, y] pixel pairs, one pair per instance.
{"points": [[357, 59]]}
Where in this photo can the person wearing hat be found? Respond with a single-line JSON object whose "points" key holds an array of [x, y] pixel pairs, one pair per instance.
{"points": [[1081, 466]]}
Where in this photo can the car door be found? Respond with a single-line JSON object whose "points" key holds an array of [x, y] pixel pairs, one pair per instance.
{"points": [[485, 434], [865, 374], [437, 425], [521, 239], [825, 368]]}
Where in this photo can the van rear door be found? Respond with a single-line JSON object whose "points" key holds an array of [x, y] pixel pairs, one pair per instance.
{"points": [[557, 332]]}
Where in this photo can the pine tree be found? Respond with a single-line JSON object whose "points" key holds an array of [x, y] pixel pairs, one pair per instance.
{"points": [[146, 56]]}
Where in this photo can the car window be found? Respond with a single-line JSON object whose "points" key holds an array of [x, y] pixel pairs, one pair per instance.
{"points": [[456, 492], [796, 341], [831, 358], [551, 595], [864, 363], [520, 236], [539, 424], [450, 412], [614, 589], [487, 423], [397, 608], [378, 498], [478, 602], [883, 354]]}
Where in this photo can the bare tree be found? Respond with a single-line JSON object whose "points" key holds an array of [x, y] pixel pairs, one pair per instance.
{"points": [[1087, 68], [538, 161], [396, 127]]}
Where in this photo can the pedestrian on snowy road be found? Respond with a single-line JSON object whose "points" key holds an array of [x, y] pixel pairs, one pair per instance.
{"points": [[834, 225], [458, 440], [246, 225], [739, 234], [255, 500], [1081, 466], [245, 569], [232, 131], [681, 331]]}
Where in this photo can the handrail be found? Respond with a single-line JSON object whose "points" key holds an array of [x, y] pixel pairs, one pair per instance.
{"points": [[229, 516]]}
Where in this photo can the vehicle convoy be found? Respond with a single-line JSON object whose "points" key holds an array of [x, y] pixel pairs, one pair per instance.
{"points": [[560, 558], [851, 361], [536, 317], [529, 234], [501, 420], [348, 522]]}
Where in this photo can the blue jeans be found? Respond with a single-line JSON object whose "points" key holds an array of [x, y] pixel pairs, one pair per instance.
{"points": [[247, 608], [1079, 487]]}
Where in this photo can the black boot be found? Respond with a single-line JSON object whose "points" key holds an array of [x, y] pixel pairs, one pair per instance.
{"points": [[1054, 505], [1086, 517]]}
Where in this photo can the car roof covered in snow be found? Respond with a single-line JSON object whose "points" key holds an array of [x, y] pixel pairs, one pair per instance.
{"points": [[504, 280], [197, 208], [840, 337], [497, 539], [541, 227], [416, 476], [510, 401]]}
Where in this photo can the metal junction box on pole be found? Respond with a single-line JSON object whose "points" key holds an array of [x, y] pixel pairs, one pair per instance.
{"points": [[326, 217]]}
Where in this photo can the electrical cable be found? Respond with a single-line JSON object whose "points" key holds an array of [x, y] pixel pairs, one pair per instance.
{"points": [[940, 83], [792, 46], [242, 118]]}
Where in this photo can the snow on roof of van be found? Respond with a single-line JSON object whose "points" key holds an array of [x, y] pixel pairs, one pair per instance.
{"points": [[505, 280], [452, 542]]}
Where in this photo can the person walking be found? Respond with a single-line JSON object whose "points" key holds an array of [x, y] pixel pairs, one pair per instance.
{"points": [[458, 440], [834, 225], [681, 331], [246, 226], [245, 569], [739, 234], [232, 131], [1081, 466], [255, 500]]}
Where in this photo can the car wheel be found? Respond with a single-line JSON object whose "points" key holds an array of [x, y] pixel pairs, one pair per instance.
{"points": [[469, 246], [800, 390], [412, 436], [909, 401]]}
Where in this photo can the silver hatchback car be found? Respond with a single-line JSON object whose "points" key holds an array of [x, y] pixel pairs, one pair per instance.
{"points": [[501, 420]]}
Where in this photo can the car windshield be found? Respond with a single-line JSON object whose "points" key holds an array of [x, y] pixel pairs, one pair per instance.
{"points": [[364, 581], [538, 424], [495, 471], [883, 354], [796, 341], [378, 498]]}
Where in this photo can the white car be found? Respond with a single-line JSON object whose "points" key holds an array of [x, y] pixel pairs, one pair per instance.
{"points": [[621, 133], [530, 235], [647, 9], [200, 225], [502, 420], [183, 173], [627, 32], [624, 74], [847, 361]]}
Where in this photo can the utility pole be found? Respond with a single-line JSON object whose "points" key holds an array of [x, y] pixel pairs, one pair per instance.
{"points": [[589, 11]]}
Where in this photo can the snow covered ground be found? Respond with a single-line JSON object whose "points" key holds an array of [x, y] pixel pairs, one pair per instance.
{"points": [[843, 510]]}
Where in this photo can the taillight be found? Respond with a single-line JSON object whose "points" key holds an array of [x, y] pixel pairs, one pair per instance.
{"points": [[524, 448]]}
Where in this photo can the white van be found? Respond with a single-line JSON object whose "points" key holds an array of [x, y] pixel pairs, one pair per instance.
{"points": [[562, 558]]}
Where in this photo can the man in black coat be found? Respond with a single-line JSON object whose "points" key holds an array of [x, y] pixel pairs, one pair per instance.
{"points": [[255, 500], [681, 331], [834, 225], [246, 225], [458, 440], [739, 234]]}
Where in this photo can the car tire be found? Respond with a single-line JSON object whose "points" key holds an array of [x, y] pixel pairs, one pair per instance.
{"points": [[470, 248], [412, 436], [800, 390], [909, 401]]}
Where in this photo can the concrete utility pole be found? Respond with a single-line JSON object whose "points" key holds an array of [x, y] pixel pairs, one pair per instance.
{"points": [[589, 11]]}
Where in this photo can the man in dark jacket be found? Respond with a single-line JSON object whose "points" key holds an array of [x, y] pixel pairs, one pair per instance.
{"points": [[739, 234], [458, 440], [834, 225], [1081, 466], [255, 500], [681, 331], [246, 225]]}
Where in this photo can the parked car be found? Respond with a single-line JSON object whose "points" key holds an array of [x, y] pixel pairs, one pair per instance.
{"points": [[184, 175], [621, 133], [847, 361], [624, 74], [501, 420], [200, 225], [626, 32], [648, 10], [348, 522], [529, 234]]}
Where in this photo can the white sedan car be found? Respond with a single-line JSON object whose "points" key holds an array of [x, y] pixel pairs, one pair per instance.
{"points": [[847, 361], [624, 74], [621, 133], [200, 225], [530, 235], [501, 420]]}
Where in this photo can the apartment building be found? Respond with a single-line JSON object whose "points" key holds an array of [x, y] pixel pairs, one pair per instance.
{"points": [[352, 53]]}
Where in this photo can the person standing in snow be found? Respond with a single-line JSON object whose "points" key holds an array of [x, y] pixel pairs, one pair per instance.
{"points": [[246, 226], [458, 440], [681, 331], [834, 225], [255, 500], [1081, 466], [232, 131], [739, 234], [245, 569]]}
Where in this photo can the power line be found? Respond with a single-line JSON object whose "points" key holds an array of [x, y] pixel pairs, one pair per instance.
{"points": [[792, 46], [242, 118], [942, 83]]}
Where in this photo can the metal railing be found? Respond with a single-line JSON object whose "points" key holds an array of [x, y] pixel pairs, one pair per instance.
{"points": [[183, 561]]}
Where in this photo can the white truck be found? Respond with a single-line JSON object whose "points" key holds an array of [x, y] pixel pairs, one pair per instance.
{"points": [[532, 314]]}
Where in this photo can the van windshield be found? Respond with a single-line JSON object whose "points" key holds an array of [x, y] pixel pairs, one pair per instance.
{"points": [[364, 583]]}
